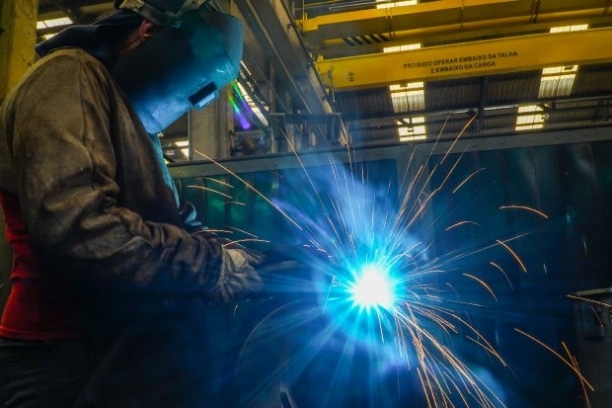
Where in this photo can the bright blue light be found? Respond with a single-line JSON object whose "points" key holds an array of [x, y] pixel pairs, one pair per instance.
{"points": [[373, 288]]}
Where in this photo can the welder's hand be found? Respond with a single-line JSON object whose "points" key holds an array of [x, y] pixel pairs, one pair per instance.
{"points": [[189, 216], [238, 275]]}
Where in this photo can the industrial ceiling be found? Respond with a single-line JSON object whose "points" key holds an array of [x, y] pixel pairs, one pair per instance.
{"points": [[372, 72]]}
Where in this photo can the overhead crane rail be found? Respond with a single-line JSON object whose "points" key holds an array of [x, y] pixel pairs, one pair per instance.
{"points": [[470, 59], [368, 31]]}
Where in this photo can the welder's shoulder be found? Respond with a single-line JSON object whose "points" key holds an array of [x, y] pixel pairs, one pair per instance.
{"points": [[64, 67], [69, 63], [63, 72]]}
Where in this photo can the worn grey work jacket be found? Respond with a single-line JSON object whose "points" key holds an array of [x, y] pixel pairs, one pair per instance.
{"points": [[93, 197]]}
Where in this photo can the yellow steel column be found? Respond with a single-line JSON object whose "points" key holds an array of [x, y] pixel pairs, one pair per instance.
{"points": [[17, 41]]}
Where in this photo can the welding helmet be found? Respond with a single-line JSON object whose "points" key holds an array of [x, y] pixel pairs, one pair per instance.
{"points": [[195, 53]]}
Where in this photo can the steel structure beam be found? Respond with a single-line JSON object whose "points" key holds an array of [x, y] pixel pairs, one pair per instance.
{"points": [[367, 31], [275, 30], [376, 120], [471, 59], [397, 151]]}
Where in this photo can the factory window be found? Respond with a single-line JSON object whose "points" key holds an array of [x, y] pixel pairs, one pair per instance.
{"points": [[400, 48], [53, 22], [183, 145], [251, 104], [411, 129], [410, 95], [530, 117], [565, 29], [559, 81], [390, 4], [57, 23], [248, 100], [407, 97]]}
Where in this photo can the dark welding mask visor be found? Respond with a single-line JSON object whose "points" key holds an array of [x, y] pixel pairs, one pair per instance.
{"points": [[182, 66]]}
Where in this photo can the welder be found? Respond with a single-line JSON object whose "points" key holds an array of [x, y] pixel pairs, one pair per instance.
{"points": [[110, 279]]}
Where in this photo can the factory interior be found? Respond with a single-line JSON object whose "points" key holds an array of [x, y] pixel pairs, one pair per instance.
{"points": [[463, 146]]}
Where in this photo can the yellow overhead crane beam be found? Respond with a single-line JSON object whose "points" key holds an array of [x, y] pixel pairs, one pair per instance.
{"points": [[469, 59], [372, 21], [367, 31]]}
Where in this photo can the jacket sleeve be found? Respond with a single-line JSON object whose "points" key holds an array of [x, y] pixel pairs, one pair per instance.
{"points": [[65, 164]]}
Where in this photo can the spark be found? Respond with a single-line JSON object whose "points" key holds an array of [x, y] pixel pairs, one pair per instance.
{"points": [[249, 186], [382, 294], [589, 300], [449, 358], [452, 147], [499, 268], [223, 183], [461, 224], [556, 354], [574, 362], [430, 196], [483, 283], [514, 254], [523, 207], [408, 315], [471, 328], [243, 232], [213, 230], [466, 180], [373, 288], [241, 241], [212, 190]]}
